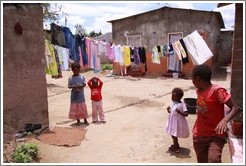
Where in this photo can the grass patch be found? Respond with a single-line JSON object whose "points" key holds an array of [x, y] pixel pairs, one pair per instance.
{"points": [[107, 66]]}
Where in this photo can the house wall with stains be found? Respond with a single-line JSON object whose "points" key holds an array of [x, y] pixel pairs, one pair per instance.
{"points": [[24, 81]]}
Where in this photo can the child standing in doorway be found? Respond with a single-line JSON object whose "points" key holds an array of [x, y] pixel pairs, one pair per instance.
{"points": [[78, 108], [177, 125], [95, 85]]}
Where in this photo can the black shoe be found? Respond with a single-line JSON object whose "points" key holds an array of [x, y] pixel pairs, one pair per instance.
{"points": [[86, 123], [31, 127]]}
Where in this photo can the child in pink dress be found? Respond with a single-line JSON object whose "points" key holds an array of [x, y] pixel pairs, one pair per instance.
{"points": [[177, 125]]}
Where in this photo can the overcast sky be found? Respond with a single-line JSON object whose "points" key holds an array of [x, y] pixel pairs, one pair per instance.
{"points": [[94, 15]]}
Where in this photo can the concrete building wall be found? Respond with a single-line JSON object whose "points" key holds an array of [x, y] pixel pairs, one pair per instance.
{"points": [[225, 52], [237, 57], [24, 82], [154, 27]]}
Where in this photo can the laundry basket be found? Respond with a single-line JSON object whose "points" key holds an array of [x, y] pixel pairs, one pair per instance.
{"points": [[191, 105]]}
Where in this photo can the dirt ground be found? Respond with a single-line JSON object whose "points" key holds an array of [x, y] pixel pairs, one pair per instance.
{"points": [[135, 110]]}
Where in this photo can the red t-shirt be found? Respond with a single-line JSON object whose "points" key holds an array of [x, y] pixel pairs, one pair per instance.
{"points": [[210, 111], [96, 94]]}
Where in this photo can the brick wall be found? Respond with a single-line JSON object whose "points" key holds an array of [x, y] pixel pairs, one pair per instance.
{"points": [[237, 59], [24, 82]]}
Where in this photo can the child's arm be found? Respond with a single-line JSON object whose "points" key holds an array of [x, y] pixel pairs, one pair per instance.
{"points": [[84, 83], [77, 86], [100, 82], [81, 85], [69, 84], [234, 109], [185, 113], [168, 109], [90, 83], [182, 109]]}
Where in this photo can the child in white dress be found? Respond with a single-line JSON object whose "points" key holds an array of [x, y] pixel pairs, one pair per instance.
{"points": [[177, 125]]}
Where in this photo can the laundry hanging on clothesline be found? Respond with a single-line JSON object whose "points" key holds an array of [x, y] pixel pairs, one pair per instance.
{"points": [[82, 49], [192, 45], [88, 51], [56, 59], [127, 55], [51, 64]]}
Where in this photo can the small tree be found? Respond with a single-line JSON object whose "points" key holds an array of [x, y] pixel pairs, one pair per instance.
{"points": [[52, 12], [95, 34], [92, 34], [80, 30], [100, 33]]}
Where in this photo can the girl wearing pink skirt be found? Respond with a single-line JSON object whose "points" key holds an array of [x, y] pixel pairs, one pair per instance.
{"points": [[78, 108]]}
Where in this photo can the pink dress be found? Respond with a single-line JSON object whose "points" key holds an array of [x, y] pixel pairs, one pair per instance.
{"points": [[177, 124]]}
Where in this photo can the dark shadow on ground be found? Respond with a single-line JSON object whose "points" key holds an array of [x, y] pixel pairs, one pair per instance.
{"points": [[142, 102], [81, 124], [183, 153], [64, 122], [50, 85], [74, 124], [99, 122]]}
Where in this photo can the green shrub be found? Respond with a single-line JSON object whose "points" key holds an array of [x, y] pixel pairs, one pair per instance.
{"points": [[107, 66], [25, 153]]}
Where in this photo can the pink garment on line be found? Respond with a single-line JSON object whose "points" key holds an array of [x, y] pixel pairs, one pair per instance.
{"points": [[88, 47], [110, 51]]}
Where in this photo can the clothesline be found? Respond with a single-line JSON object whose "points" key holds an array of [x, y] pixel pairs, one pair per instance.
{"points": [[192, 45], [88, 51]]}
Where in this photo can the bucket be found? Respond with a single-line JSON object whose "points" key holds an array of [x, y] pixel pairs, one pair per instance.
{"points": [[191, 105]]}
